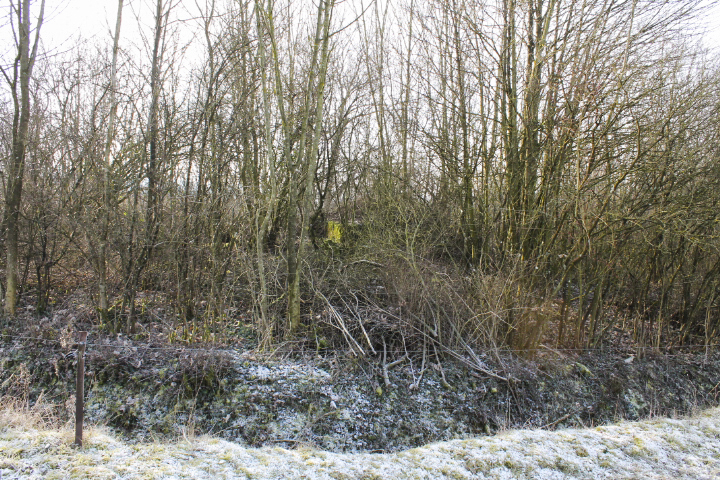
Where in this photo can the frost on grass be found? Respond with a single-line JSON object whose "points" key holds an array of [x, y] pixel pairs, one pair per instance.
{"points": [[654, 449]]}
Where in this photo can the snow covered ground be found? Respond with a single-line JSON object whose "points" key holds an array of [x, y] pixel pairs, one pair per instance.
{"points": [[654, 449]]}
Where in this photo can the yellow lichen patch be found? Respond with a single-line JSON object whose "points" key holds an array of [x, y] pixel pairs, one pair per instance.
{"points": [[334, 231]]}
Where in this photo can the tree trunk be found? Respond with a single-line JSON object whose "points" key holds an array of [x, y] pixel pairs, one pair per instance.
{"points": [[307, 161], [107, 194], [22, 67]]}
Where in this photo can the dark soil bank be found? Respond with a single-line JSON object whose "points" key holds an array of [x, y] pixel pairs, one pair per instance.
{"points": [[346, 405]]}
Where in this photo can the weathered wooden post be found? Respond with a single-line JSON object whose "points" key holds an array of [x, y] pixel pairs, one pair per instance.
{"points": [[80, 389]]}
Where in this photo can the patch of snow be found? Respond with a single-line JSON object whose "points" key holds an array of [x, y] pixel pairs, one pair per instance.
{"points": [[654, 450], [288, 372]]}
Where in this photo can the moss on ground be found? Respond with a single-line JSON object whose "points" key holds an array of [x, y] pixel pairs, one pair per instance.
{"points": [[145, 395]]}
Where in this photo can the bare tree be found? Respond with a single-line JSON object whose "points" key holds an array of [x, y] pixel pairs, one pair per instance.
{"points": [[19, 81], [107, 203], [139, 254]]}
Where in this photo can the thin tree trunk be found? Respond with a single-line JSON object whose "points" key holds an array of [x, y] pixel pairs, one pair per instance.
{"points": [[107, 194], [266, 327], [23, 67], [307, 162], [152, 201]]}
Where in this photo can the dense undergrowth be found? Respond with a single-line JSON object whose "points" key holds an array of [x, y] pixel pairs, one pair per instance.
{"points": [[560, 193]]}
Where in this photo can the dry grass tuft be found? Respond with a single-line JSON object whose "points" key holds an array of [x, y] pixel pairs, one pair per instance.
{"points": [[17, 410], [20, 413]]}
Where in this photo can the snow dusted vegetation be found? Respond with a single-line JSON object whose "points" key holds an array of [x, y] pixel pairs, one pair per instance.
{"points": [[651, 449]]}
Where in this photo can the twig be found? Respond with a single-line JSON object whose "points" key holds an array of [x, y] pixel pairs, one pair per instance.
{"points": [[442, 372], [388, 366], [475, 366], [552, 424], [553, 350], [385, 372], [716, 386], [367, 262], [416, 383], [342, 327], [397, 362], [359, 320]]}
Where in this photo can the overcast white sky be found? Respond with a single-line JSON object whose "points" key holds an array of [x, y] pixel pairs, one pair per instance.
{"points": [[66, 20], [96, 18]]}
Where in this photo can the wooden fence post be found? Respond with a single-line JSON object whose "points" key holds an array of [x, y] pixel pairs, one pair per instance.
{"points": [[80, 389]]}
